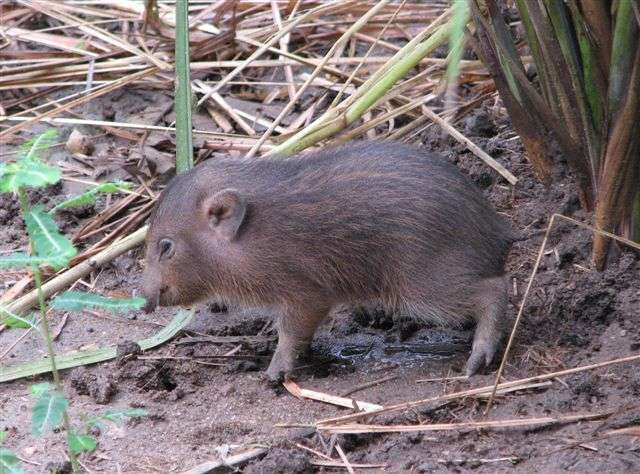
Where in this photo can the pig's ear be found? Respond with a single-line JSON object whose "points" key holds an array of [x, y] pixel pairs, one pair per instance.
{"points": [[225, 212]]}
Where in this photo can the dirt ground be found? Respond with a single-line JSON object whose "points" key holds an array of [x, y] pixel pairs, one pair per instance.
{"points": [[199, 412]]}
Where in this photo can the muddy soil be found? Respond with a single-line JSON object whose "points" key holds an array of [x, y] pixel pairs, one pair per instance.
{"points": [[203, 408]]}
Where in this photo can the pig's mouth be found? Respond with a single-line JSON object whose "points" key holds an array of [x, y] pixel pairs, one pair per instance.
{"points": [[162, 297], [151, 305], [169, 296]]}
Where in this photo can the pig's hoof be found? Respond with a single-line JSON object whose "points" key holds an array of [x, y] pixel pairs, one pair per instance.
{"points": [[482, 356], [274, 379], [278, 369]]}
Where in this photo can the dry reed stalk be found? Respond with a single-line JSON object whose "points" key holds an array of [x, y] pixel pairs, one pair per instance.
{"points": [[299, 392], [103, 123], [344, 459], [357, 428], [56, 10], [80, 101], [329, 8]]}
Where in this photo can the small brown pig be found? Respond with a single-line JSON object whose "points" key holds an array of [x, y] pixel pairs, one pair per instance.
{"points": [[366, 223]]}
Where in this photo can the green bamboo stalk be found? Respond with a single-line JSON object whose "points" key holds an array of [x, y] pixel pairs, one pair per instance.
{"points": [[340, 118], [395, 59], [183, 102]]}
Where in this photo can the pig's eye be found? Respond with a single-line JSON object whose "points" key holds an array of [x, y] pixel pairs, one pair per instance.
{"points": [[166, 248]]}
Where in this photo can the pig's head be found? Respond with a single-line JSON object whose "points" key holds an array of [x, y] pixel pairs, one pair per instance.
{"points": [[192, 237]]}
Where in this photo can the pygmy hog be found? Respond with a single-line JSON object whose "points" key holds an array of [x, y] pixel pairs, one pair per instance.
{"points": [[366, 223]]}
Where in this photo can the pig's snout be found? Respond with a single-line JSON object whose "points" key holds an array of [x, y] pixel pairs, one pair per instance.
{"points": [[152, 303], [151, 292]]}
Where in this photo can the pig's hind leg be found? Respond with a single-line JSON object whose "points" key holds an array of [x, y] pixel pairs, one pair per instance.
{"points": [[490, 307]]}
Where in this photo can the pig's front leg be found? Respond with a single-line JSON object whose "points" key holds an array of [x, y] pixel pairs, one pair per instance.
{"points": [[296, 327]]}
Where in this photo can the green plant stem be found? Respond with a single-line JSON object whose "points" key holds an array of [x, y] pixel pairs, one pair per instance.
{"points": [[184, 145], [46, 332]]}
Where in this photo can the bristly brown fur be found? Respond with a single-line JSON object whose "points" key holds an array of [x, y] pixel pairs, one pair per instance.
{"points": [[364, 223]]}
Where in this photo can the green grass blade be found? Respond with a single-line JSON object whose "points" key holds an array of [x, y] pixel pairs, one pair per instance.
{"points": [[184, 145], [81, 443], [9, 462], [79, 301], [117, 416], [47, 241], [78, 358], [48, 412], [84, 199]]}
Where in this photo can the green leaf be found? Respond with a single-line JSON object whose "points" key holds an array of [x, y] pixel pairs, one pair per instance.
{"points": [[47, 241], [3, 436], [89, 197], [9, 462], [14, 321], [79, 443], [29, 170], [48, 412], [78, 301], [38, 389]]}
